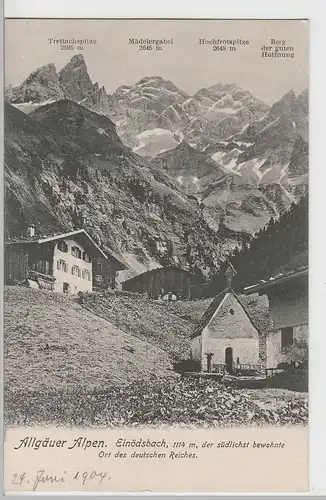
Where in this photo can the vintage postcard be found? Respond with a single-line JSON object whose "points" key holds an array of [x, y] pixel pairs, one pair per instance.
{"points": [[156, 255]]}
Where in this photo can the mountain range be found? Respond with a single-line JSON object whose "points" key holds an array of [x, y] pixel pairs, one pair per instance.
{"points": [[157, 175], [65, 168]]}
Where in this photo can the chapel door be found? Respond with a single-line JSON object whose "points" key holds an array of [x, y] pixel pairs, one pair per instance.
{"points": [[229, 359]]}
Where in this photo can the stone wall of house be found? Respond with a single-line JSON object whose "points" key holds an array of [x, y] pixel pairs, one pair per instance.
{"points": [[296, 352], [263, 349], [288, 311], [263, 336]]}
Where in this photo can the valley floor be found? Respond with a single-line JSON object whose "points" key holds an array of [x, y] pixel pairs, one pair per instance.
{"points": [[109, 361]]}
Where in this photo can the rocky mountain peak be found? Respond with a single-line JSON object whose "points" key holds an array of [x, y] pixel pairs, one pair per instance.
{"points": [[97, 100], [160, 82], [216, 88], [77, 60], [8, 93], [301, 103], [230, 86], [288, 99], [40, 85], [43, 74], [283, 106], [74, 78]]}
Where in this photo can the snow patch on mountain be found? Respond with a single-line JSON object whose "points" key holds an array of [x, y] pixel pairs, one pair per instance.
{"points": [[155, 141], [256, 164], [226, 110], [283, 172], [185, 181], [28, 107], [228, 161]]}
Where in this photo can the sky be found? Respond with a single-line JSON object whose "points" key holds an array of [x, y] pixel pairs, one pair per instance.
{"points": [[113, 61]]}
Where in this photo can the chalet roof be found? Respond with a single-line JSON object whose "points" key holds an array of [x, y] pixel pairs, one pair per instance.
{"points": [[157, 269], [214, 306], [276, 280], [80, 233]]}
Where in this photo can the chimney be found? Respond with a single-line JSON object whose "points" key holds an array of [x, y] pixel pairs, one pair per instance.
{"points": [[229, 273], [31, 231]]}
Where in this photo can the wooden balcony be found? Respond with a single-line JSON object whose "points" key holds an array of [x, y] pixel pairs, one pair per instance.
{"points": [[44, 281]]}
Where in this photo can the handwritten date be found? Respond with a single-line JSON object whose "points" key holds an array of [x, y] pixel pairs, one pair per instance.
{"points": [[43, 477]]}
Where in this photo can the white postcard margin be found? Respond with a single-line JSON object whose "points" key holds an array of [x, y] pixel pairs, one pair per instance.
{"points": [[315, 11]]}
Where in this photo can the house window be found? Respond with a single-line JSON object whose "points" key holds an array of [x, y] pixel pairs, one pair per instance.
{"points": [[231, 312], [76, 271], [76, 252], [62, 265], [62, 246], [86, 257], [286, 336], [86, 275]]}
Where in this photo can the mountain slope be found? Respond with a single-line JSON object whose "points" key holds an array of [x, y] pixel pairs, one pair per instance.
{"points": [[281, 139], [256, 175], [77, 349], [280, 247], [154, 103], [67, 168], [209, 170], [187, 166], [220, 111]]}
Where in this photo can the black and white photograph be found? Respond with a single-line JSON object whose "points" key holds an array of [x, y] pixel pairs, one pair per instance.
{"points": [[156, 224]]}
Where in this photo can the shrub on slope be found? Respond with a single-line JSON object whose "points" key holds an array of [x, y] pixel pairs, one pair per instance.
{"points": [[154, 402]]}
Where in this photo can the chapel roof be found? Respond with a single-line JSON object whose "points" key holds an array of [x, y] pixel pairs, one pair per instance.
{"points": [[214, 306]]}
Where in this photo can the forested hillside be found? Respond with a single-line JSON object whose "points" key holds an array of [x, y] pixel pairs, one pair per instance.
{"points": [[280, 247]]}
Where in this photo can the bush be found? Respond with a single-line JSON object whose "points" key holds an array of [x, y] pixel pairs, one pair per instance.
{"points": [[183, 402]]}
